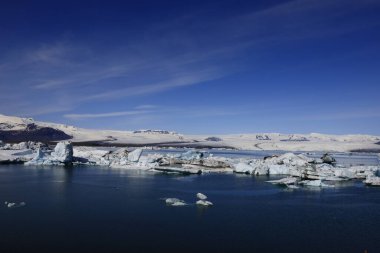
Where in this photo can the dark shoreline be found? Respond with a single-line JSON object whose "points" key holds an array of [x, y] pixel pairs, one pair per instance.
{"points": [[179, 144], [370, 150]]}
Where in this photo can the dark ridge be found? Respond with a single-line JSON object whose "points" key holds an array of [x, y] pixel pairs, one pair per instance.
{"points": [[263, 138], [160, 144], [31, 127], [378, 143], [33, 133], [366, 150], [212, 138]]}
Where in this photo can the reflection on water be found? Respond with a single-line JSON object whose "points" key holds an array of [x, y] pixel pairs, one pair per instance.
{"points": [[97, 209]]}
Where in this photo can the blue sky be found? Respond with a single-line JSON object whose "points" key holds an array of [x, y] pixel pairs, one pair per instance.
{"points": [[194, 66]]}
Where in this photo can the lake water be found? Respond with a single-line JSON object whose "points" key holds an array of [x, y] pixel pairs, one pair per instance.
{"points": [[97, 209]]}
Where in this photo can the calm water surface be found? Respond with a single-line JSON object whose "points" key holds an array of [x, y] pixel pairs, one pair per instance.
{"points": [[96, 209]]}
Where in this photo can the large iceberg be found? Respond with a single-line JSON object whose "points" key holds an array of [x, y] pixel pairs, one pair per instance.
{"points": [[63, 152], [62, 155]]}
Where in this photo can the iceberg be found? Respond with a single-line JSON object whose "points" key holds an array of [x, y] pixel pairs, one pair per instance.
{"points": [[315, 183], [201, 196], [372, 180], [62, 155], [284, 181], [326, 158], [204, 203], [14, 205], [63, 152], [175, 202], [134, 156], [244, 168]]}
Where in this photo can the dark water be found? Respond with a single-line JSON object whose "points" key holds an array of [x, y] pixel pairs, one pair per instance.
{"points": [[94, 209]]}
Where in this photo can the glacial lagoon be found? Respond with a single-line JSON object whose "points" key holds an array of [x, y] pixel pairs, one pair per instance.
{"points": [[99, 209]]}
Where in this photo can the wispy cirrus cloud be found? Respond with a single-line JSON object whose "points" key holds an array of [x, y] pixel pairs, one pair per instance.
{"points": [[181, 80], [105, 115], [61, 75]]}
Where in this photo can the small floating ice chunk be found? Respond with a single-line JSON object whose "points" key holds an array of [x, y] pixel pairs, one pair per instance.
{"points": [[179, 203], [13, 205], [372, 180], [174, 202], [284, 181], [201, 196], [316, 183], [10, 205], [204, 203], [171, 200]]}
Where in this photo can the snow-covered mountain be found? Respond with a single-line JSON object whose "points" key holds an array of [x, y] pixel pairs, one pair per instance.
{"points": [[15, 129]]}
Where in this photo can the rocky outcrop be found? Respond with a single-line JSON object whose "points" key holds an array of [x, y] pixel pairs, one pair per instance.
{"points": [[33, 133], [262, 137], [212, 138]]}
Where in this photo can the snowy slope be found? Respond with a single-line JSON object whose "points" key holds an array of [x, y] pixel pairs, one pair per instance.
{"points": [[259, 141]]}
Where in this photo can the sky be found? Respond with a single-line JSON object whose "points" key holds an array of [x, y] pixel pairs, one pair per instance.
{"points": [[195, 67]]}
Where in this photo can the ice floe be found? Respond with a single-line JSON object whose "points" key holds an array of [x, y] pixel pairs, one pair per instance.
{"points": [[204, 203], [175, 202], [14, 205], [201, 196], [372, 180]]}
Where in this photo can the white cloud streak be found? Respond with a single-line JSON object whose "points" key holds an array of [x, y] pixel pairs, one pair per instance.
{"points": [[185, 79], [104, 115], [168, 56]]}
